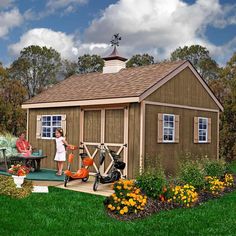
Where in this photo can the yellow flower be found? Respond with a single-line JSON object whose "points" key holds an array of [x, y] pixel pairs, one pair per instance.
{"points": [[122, 212], [109, 206], [125, 209]]}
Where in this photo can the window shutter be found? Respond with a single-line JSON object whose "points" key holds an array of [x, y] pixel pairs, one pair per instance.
{"points": [[160, 128], [209, 131], [39, 127], [195, 132], [63, 123], [176, 128]]}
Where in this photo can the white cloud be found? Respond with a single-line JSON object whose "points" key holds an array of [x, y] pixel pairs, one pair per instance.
{"points": [[66, 45], [8, 20], [60, 41], [154, 26], [158, 26], [66, 5]]}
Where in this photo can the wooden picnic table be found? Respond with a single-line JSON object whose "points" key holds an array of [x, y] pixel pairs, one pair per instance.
{"points": [[35, 159]]}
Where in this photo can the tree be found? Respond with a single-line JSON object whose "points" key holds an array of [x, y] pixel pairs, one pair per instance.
{"points": [[3, 71], [140, 60], [90, 63], [68, 68], [200, 58], [12, 95], [228, 117], [36, 68]]}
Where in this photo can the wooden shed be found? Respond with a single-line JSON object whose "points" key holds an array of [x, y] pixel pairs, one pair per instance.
{"points": [[161, 110]]}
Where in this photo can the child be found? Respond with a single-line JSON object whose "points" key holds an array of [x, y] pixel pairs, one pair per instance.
{"points": [[60, 156]]}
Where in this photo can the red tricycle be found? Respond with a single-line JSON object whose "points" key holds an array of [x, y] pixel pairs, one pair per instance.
{"points": [[81, 173]]}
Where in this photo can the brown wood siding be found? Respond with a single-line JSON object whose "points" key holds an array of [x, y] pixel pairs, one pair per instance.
{"points": [[170, 153], [48, 146], [114, 130], [114, 126], [183, 89], [92, 126], [134, 140]]}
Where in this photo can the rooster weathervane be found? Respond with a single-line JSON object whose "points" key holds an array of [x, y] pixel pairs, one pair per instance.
{"points": [[116, 38]]}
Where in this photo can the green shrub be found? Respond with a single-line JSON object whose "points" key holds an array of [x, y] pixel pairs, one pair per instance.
{"points": [[152, 182], [192, 172], [8, 187], [216, 168]]}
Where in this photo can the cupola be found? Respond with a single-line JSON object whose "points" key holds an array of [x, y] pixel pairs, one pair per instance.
{"points": [[114, 62]]}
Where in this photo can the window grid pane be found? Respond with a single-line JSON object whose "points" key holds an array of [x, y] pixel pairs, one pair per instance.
{"points": [[168, 128], [202, 129], [49, 125]]}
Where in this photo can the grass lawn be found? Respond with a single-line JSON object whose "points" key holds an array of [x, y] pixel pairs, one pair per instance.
{"points": [[63, 212]]}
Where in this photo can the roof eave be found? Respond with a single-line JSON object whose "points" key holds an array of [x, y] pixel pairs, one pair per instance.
{"points": [[81, 103]]}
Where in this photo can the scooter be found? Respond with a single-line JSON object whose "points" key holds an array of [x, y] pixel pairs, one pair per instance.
{"points": [[114, 173], [81, 173]]}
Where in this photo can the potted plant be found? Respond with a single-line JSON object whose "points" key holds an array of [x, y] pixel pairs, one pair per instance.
{"points": [[18, 174]]}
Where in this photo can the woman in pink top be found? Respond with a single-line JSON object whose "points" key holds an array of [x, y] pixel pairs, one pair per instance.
{"points": [[22, 145]]}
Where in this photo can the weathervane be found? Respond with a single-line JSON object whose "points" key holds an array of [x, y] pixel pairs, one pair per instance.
{"points": [[115, 40]]}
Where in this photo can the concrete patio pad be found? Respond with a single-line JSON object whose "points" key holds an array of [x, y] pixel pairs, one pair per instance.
{"points": [[78, 185]]}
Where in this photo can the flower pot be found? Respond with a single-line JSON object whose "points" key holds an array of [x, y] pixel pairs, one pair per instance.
{"points": [[18, 180]]}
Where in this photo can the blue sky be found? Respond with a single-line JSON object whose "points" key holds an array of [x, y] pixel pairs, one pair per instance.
{"points": [[75, 27]]}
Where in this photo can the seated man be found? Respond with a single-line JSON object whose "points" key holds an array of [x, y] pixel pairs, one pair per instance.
{"points": [[22, 145]]}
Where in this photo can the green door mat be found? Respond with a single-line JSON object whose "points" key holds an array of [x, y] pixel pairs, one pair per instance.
{"points": [[43, 174]]}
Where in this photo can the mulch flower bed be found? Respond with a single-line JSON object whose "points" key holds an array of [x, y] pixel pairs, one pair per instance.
{"points": [[155, 206], [8, 188]]}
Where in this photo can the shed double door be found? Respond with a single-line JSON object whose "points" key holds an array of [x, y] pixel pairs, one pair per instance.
{"points": [[108, 126]]}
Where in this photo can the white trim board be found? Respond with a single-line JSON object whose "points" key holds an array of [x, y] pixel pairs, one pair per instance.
{"points": [[142, 137], [81, 103], [179, 106]]}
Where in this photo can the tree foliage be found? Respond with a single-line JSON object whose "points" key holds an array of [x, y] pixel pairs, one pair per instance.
{"points": [[140, 60], [228, 117], [68, 68], [12, 95], [36, 68], [90, 63], [200, 58]]}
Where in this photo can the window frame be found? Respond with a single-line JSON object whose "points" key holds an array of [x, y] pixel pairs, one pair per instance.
{"points": [[163, 128], [51, 126], [206, 119]]}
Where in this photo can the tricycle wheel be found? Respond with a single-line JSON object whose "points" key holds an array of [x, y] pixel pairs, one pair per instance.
{"points": [[66, 180], [96, 182], [85, 179]]}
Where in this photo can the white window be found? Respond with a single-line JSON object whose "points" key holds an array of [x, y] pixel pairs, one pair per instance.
{"points": [[49, 125], [202, 129], [168, 128]]}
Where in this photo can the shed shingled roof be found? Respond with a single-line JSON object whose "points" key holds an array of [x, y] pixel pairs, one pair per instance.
{"points": [[129, 82]]}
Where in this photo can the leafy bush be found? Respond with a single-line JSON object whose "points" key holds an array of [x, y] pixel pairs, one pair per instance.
{"points": [[152, 183], [191, 172], [215, 168], [8, 187], [183, 195], [126, 199]]}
